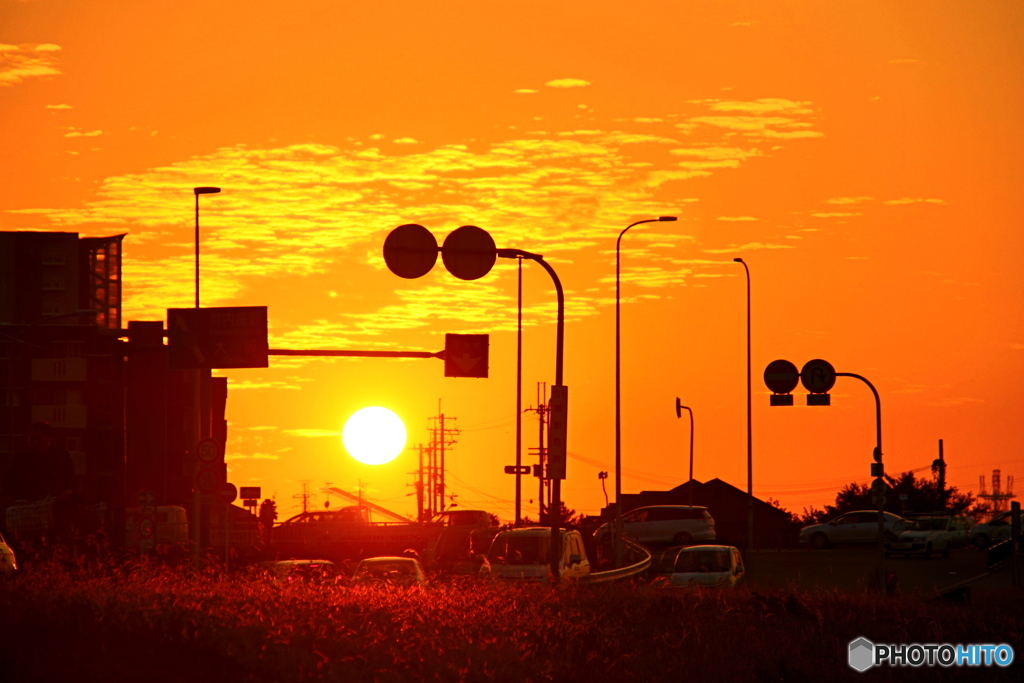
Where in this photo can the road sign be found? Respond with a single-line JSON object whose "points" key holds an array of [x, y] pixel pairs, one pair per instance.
{"points": [[469, 252], [818, 399], [226, 337], [410, 251], [512, 469], [559, 407], [209, 480], [147, 499], [466, 355], [249, 492], [208, 451], [227, 493], [818, 376], [781, 376], [879, 487], [780, 399], [876, 469], [146, 527]]}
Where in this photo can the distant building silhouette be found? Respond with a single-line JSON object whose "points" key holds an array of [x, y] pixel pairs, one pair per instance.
{"points": [[728, 505], [125, 418]]}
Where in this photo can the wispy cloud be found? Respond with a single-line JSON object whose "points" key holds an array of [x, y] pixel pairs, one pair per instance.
{"points": [[899, 202], [736, 218], [312, 210], [19, 63], [567, 83], [58, 106], [311, 433], [847, 200], [749, 246], [83, 134], [835, 214], [526, 91]]}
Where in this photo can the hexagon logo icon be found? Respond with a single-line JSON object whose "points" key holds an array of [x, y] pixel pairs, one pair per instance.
{"points": [[862, 654]]}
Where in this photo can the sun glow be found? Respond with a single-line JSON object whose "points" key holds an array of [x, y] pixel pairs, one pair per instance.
{"points": [[374, 435]]}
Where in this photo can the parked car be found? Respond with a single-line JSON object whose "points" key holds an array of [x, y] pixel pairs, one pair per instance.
{"points": [[524, 554], [996, 530], [853, 527], [8, 564], [928, 534], [317, 571], [663, 524], [708, 565], [399, 571]]}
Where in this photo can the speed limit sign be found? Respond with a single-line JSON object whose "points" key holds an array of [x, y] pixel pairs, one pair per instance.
{"points": [[208, 451]]}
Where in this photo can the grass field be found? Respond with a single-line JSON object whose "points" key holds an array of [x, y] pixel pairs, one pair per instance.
{"points": [[92, 620]]}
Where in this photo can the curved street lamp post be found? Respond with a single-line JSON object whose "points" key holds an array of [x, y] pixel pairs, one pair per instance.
{"points": [[618, 389], [679, 413], [750, 430]]}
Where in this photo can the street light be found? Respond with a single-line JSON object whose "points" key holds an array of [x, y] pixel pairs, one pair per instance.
{"points": [[198, 191], [750, 439], [679, 413], [618, 386]]}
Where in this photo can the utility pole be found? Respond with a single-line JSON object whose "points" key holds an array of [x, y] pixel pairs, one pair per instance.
{"points": [[442, 438], [541, 450], [304, 496]]}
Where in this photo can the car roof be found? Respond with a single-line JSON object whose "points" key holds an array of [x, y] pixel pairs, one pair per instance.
{"points": [[694, 548], [299, 563], [533, 531], [388, 560]]}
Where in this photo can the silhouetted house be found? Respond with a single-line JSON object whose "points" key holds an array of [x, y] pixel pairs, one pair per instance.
{"points": [[728, 505]]}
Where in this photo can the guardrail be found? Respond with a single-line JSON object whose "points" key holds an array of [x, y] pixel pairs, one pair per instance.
{"points": [[625, 572]]}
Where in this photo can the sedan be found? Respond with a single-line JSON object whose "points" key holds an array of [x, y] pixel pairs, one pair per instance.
{"points": [[853, 527]]}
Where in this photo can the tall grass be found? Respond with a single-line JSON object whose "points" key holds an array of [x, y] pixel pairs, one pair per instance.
{"points": [[144, 621]]}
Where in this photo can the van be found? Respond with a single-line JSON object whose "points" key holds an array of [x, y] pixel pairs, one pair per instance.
{"points": [[675, 524], [708, 565], [524, 554], [170, 525]]}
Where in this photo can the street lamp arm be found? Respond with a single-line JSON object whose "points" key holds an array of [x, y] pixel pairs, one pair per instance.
{"points": [[878, 406], [560, 328]]}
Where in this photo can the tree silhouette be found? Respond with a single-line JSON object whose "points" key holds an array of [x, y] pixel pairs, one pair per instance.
{"points": [[569, 518], [923, 496], [267, 515]]}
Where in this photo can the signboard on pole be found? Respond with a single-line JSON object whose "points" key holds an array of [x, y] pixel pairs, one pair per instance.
{"points": [[558, 430], [251, 492], [466, 355], [226, 337]]}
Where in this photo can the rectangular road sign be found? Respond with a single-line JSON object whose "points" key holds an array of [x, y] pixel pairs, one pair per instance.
{"points": [[226, 337], [249, 492], [559, 407], [512, 469], [466, 355]]}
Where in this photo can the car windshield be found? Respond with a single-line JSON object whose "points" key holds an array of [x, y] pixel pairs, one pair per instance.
{"points": [[385, 570], [930, 524], [703, 561], [520, 550]]}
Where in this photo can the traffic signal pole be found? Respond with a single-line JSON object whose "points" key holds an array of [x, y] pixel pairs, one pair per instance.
{"points": [[879, 478]]}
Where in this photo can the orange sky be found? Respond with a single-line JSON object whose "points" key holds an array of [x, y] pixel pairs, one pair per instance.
{"points": [[861, 157]]}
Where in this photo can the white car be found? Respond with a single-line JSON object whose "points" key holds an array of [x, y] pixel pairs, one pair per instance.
{"points": [[399, 571], [927, 535], [708, 565], [853, 527], [8, 565], [994, 531], [667, 524]]}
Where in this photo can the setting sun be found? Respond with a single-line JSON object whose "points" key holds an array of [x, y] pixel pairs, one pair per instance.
{"points": [[374, 435]]}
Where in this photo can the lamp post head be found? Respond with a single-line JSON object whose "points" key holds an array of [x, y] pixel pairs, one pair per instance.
{"points": [[206, 190], [738, 260], [665, 219]]}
